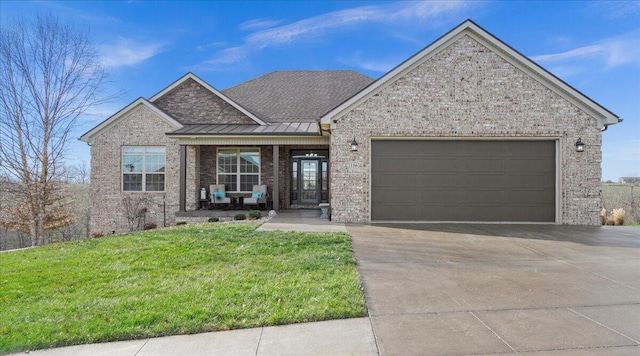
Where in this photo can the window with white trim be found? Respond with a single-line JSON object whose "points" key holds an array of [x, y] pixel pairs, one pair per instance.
{"points": [[143, 168], [238, 168]]}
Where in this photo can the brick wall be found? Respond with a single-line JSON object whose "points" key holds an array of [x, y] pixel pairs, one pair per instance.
{"points": [[466, 90], [191, 103], [141, 127]]}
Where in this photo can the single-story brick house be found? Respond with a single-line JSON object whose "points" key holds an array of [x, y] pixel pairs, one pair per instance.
{"points": [[467, 129]]}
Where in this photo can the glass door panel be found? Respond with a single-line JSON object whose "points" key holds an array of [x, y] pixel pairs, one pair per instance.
{"points": [[309, 180]]}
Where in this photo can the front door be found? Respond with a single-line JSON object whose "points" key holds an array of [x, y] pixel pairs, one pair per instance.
{"points": [[309, 177]]}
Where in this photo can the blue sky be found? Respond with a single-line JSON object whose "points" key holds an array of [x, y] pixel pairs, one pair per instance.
{"points": [[594, 46]]}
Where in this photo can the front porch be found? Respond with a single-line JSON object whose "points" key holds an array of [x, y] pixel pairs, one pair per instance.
{"points": [[296, 176]]}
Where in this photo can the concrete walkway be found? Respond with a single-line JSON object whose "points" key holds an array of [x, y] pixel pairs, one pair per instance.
{"points": [[303, 220], [335, 337]]}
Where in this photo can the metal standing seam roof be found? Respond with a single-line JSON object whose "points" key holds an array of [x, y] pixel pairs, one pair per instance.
{"points": [[297, 96], [282, 128]]}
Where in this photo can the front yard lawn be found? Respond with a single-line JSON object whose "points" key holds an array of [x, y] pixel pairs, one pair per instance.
{"points": [[180, 280]]}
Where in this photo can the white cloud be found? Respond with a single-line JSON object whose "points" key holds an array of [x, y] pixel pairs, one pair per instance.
{"points": [[429, 13], [611, 52], [127, 52], [204, 47], [615, 9], [258, 24]]}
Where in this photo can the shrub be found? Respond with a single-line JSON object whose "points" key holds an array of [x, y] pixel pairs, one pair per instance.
{"points": [[150, 226], [603, 216], [240, 217], [213, 219], [255, 214], [617, 215], [181, 223]]}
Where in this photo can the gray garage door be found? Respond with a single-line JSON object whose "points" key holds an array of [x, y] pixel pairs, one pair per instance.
{"points": [[463, 181]]}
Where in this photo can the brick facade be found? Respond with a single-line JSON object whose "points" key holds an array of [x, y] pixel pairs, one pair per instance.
{"points": [[141, 127], [191, 103], [467, 91]]}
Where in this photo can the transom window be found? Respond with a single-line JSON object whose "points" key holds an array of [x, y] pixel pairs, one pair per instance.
{"points": [[238, 168], [143, 169]]}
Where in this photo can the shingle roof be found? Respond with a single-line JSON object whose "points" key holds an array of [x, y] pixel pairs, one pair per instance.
{"points": [[297, 96]]}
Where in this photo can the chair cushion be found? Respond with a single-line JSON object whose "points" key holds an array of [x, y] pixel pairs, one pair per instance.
{"points": [[219, 195], [256, 195]]}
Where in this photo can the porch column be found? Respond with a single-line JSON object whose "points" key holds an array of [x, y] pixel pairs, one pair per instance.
{"points": [[182, 199], [276, 174]]}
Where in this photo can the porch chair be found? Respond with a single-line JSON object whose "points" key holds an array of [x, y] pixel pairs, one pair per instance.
{"points": [[218, 195], [258, 196]]}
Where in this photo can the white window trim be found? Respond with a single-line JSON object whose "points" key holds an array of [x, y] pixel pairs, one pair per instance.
{"points": [[144, 172], [237, 173]]}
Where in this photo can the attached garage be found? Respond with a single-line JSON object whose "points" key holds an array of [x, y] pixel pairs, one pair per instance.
{"points": [[463, 180]]}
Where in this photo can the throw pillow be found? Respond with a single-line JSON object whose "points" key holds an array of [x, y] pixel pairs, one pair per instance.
{"points": [[219, 195], [256, 195]]}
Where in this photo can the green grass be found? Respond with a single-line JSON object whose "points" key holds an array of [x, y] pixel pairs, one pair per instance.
{"points": [[186, 279]]}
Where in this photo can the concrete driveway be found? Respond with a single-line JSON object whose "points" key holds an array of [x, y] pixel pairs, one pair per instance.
{"points": [[495, 289]]}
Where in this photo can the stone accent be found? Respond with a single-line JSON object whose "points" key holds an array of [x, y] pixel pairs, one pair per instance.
{"points": [[467, 91], [191, 103], [140, 128]]}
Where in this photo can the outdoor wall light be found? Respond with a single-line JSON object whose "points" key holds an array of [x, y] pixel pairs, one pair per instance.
{"points": [[579, 145], [354, 145]]}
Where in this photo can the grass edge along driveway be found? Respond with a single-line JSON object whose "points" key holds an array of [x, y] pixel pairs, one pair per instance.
{"points": [[179, 280]]}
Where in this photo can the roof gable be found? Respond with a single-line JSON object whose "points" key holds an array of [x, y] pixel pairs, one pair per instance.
{"points": [[190, 76], [603, 116], [115, 118]]}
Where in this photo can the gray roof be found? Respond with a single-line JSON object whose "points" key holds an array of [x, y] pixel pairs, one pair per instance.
{"points": [[297, 96], [283, 128]]}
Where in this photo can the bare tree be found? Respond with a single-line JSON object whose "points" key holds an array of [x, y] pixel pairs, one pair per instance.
{"points": [[50, 75], [79, 173]]}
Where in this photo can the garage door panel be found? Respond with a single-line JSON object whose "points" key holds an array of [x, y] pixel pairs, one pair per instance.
{"points": [[393, 180], [437, 165], [398, 212], [483, 197], [539, 213], [442, 181], [463, 180], [532, 181], [482, 165], [438, 197], [530, 165], [395, 164], [483, 181], [526, 149], [530, 197]]}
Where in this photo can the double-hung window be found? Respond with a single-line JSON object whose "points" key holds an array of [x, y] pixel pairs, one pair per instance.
{"points": [[238, 168], [143, 169]]}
